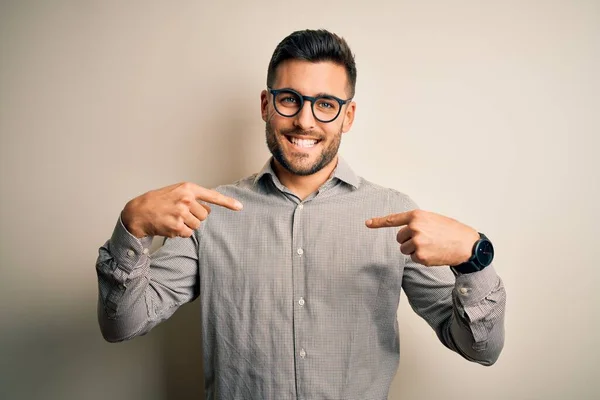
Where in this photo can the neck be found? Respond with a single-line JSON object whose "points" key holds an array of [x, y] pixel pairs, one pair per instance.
{"points": [[303, 186]]}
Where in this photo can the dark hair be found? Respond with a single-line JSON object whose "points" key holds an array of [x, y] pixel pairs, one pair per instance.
{"points": [[314, 46]]}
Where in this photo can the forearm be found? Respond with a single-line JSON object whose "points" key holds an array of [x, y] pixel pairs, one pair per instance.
{"points": [[138, 291], [123, 267], [476, 328]]}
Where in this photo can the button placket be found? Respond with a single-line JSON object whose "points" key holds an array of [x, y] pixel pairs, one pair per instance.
{"points": [[299, 290]]}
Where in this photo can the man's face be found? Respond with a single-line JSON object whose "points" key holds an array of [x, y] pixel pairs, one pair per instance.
{"points": [[302, 144]]}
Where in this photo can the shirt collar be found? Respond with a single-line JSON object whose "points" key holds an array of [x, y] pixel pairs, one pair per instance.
{"points": [[342, 171]]}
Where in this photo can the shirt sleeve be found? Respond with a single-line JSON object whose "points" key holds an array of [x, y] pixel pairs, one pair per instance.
{"points": [[466, 311], [136, 290]]}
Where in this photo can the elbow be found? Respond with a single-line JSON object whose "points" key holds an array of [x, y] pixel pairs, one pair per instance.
{"points": [[490, 354], [488, 362], [494, 357], [115, 330], [110, 338], [111, 333]]}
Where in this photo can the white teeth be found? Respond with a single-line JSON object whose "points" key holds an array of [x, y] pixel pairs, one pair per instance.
{"points": [[303, 142]]}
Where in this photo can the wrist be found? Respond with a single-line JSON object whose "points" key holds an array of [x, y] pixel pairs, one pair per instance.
{"points": [[129, 221], [482, 254], [469, 246]]}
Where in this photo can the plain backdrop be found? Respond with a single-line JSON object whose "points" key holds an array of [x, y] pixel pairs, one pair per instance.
{"points": [[485, 111]]}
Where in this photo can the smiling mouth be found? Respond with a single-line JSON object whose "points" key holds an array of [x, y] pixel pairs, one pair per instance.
{"points": [[302, 143]]}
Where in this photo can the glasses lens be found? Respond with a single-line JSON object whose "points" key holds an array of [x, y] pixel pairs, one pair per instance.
{"points": [[287, 103], [326, 109]]}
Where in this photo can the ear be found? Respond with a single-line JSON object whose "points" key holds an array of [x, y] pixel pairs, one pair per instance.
{"points": [[264, 105], [349, 117]]}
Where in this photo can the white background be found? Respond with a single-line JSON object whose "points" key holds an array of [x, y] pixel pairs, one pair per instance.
{"points": [[485, 111]]}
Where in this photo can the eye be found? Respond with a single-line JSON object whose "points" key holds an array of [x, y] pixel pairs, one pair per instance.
{"points": [[288, 98], [327, 104]]}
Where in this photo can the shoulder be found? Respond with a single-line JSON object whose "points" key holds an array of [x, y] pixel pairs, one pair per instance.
{"points": [[396, 199], [241, 188]]}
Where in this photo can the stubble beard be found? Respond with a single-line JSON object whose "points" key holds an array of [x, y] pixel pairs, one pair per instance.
{"points": [[292, 162]]}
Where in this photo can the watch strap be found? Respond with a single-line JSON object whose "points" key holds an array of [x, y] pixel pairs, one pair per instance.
{"points": [[472, 264]]}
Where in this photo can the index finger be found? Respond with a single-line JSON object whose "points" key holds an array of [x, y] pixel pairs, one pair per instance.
{"points": [[214, 197], [390, 220]]}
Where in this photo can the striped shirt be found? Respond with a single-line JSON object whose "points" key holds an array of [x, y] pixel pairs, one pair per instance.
{"points": [[299, 298]]}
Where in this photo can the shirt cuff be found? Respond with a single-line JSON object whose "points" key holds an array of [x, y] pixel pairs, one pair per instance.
{"points": [[474, 287], [126, 249]]}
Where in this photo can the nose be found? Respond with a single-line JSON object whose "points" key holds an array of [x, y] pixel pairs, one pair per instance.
{"points": [[305, 119]]}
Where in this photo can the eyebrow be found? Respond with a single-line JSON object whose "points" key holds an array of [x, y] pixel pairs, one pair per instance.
{"points": [[320, 94]]}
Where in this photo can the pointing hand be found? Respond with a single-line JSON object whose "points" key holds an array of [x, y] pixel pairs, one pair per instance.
{"points": [[430, 239]]}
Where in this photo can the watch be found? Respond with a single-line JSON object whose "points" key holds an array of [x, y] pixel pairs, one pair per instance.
{"points": [[483, 254]]}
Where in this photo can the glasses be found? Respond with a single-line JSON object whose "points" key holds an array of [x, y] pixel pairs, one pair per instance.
{"points": [[288, 103]]}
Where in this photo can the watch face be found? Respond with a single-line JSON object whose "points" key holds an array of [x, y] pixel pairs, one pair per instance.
{"points": [[485, 253]]}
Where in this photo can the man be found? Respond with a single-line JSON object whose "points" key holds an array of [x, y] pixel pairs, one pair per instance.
{"points": [[298, 267]]}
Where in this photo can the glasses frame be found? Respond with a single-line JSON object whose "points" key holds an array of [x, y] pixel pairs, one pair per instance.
{"points": [[312, 100]]}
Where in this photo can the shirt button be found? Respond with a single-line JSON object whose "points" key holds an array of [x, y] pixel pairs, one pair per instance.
{"points": [[300, 206], [130, 253], [302, 353], [146, 251], [463, 290], [301, 301], [300, 252]]}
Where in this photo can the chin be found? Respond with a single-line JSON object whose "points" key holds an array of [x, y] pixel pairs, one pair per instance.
{"points": [[298, 161], [303, 166]]}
